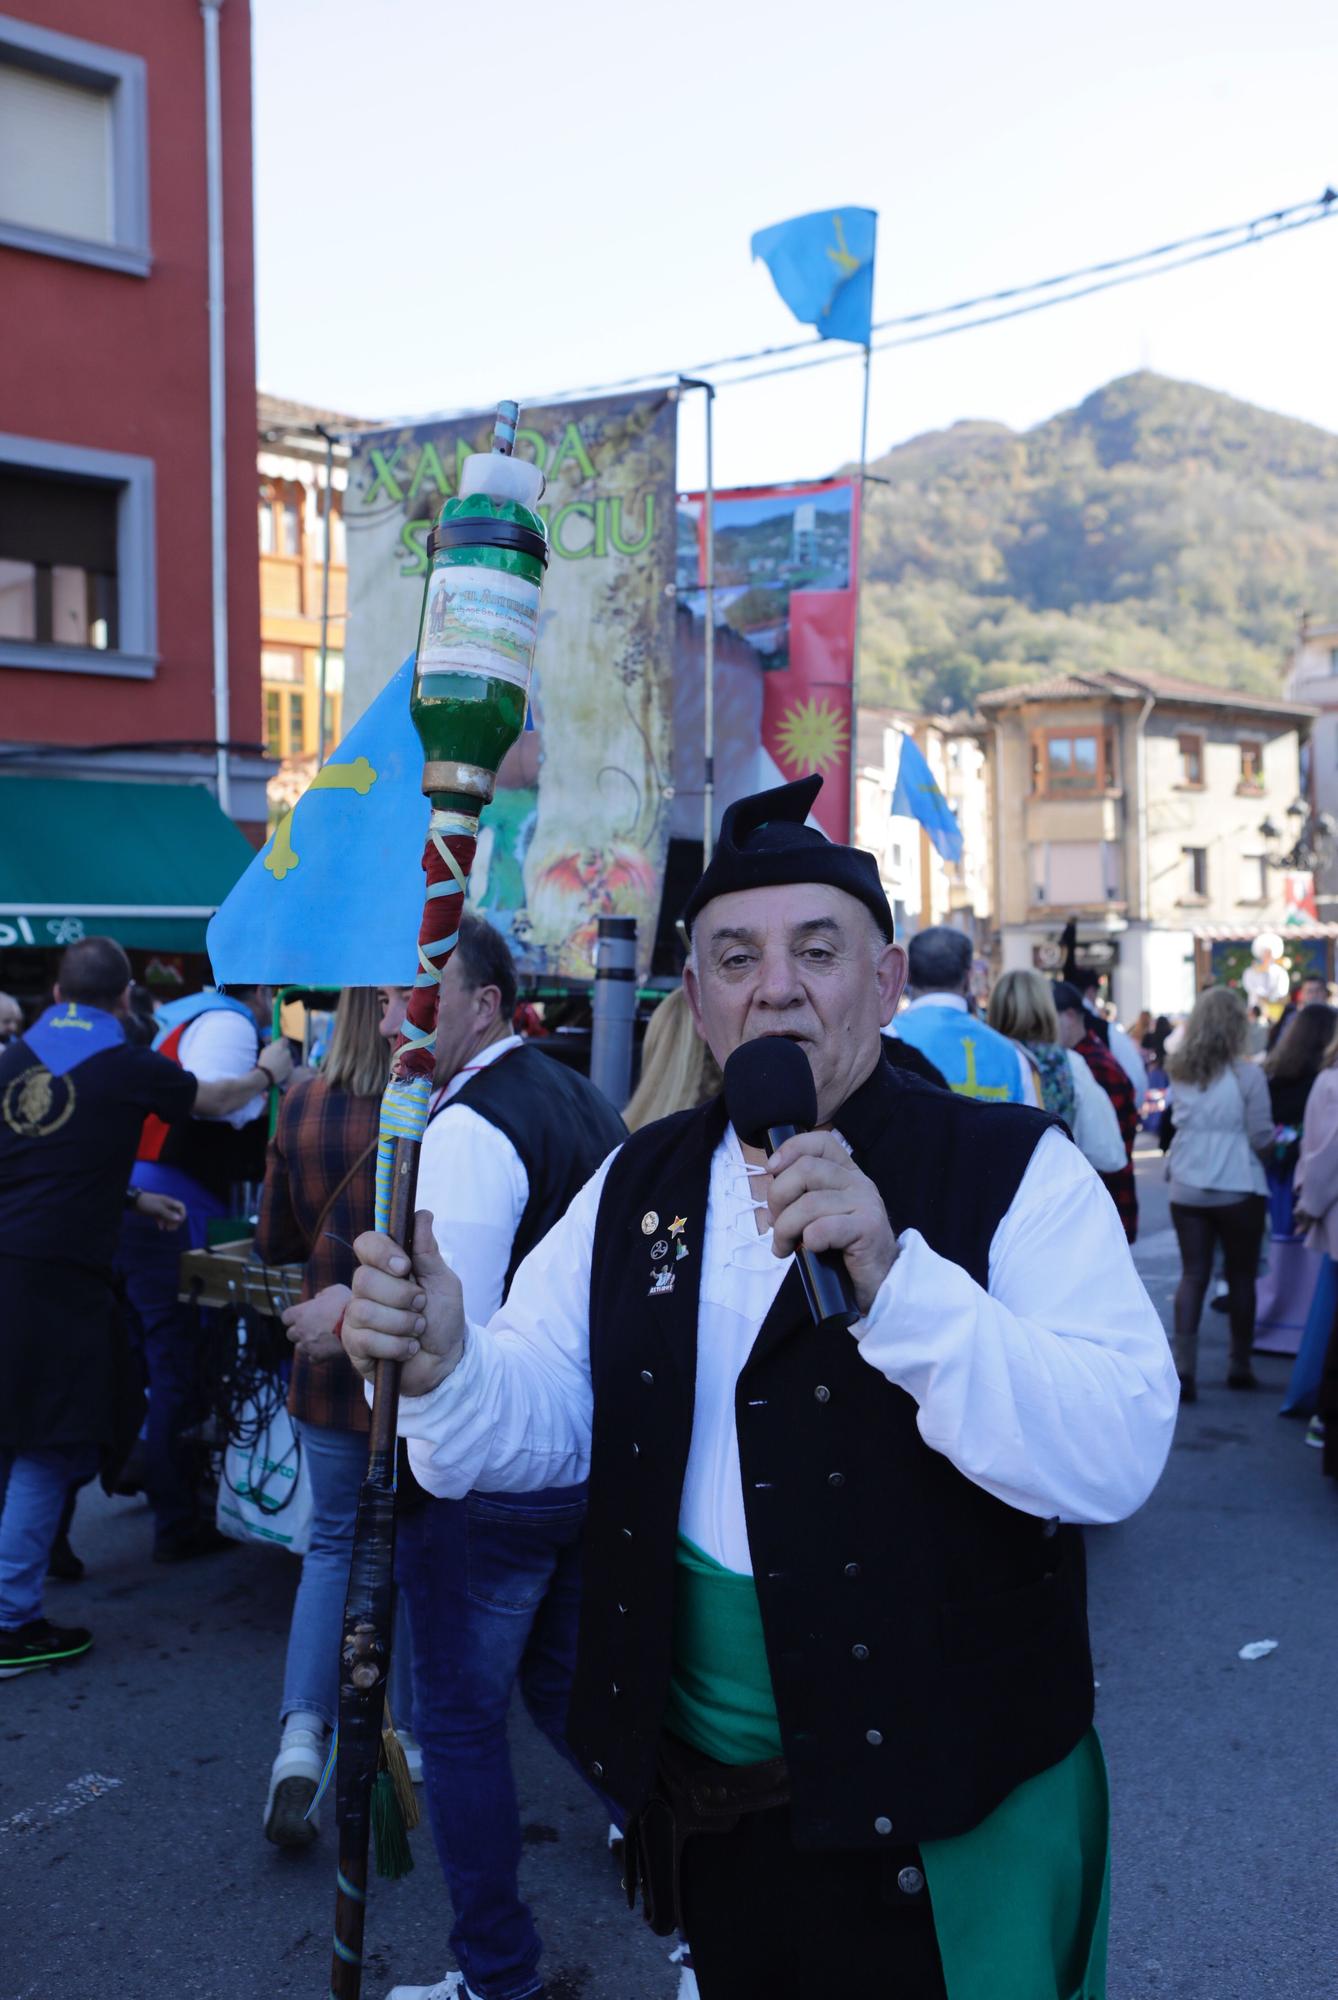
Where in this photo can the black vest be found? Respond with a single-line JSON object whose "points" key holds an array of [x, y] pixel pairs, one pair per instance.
{"points": [[562, 1127], [927, 1644]]}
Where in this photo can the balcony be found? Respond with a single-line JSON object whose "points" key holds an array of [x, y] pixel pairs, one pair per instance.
{"points": [[1098, 816]]}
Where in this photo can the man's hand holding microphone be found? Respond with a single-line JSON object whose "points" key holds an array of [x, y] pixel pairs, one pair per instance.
{"points": [[410, 1313]]}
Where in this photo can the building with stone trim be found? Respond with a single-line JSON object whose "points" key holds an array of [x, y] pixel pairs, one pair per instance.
{"points": [[1154, 812]]}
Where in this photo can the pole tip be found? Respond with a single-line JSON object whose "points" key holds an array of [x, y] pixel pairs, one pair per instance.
{"points": [[504, 430]]}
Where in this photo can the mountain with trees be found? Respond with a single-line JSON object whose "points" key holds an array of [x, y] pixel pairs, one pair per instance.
{"points": [[1158, 527]]}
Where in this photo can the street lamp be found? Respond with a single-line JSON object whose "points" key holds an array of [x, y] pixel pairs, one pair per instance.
{"points": [[1314, 837]]}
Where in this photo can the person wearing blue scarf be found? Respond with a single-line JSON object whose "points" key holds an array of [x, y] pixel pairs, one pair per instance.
{"points": [[74, 1094]]}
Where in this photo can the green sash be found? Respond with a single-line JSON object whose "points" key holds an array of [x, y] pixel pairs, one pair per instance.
{"points": [[1020, 1902]]}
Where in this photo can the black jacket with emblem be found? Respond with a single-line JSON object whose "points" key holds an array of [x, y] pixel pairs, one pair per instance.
{"points": [[927, 1644]]}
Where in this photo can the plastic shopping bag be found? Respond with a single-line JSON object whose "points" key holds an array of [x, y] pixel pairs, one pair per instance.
{"points": [[264, 1492]]}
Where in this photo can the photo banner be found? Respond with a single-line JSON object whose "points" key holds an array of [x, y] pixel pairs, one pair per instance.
{"points": [[785, 586], [579, 825]]}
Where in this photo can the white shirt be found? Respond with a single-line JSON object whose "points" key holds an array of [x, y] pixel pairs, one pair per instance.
{"points": [[1096, 1128], [218, 1046], [1030, 1094], [1054, 1389], [474, 1182], [1130, 1059]]}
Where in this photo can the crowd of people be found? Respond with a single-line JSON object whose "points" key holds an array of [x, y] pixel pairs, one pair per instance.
{"points": [[641, 1488], [1228, 1089]]}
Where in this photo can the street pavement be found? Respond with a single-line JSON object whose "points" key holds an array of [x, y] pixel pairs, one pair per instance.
{"points": [[132, 1862]]}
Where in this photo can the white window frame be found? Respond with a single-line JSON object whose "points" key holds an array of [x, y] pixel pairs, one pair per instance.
{"points": [[124, 79], [1111, 874], [136, 658]]}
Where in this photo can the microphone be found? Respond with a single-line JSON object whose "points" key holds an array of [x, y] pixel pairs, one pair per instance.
{"points": [[770, 1095]]}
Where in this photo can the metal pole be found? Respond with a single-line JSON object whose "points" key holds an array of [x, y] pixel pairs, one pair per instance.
{"points": [[859, 589], [218, 486], [614, 1009], [325, 588], [708, 727]]}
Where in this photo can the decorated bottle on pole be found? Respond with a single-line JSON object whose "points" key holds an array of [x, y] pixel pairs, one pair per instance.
{"points": [[475, 651], [480, 622]]}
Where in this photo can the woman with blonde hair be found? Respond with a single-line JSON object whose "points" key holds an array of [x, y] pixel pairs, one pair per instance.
{"points": [[1022, 1007], [1223, 1125], [678, 1071]]}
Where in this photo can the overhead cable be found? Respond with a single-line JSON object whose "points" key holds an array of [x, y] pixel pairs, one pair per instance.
{"points": [[849, 353], [1063, 287]]}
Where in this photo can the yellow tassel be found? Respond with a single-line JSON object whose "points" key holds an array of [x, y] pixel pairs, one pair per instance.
{"points": [[396, 1763]]}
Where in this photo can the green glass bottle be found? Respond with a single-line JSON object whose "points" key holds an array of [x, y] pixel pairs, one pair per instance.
{"points": [[480, 622]]}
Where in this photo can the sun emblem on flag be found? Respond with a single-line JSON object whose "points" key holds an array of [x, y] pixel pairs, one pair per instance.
{"points": [[812, 737]]}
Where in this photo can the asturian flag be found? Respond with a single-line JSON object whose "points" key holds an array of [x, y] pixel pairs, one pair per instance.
{"points": [[822, 265], [335, 895], [917, 796]]}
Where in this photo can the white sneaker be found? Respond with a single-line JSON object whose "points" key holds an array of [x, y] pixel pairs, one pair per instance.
{"points": [[452, 1987], [413, 1755], [681, 1956], [293, 1779]]}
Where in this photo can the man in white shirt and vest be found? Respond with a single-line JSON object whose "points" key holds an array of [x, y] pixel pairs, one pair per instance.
{"points": [[492, 1579], [834, 1658], [974, 1059]]}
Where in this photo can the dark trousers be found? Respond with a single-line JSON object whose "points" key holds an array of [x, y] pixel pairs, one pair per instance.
{"points": [[1327, 1403], [492, 1584], [766, 1921], [1239, 1228], [150, 1260]]}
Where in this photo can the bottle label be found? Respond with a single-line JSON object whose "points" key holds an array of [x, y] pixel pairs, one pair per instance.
{"points": [[479, 621]]}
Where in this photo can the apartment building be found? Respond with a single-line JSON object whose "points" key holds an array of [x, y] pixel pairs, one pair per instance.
{"points": [[1159, 814]]}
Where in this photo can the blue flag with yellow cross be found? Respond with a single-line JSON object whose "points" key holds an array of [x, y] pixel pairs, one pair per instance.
{"points": [[822, 265], [917, 796], [334, 896]]}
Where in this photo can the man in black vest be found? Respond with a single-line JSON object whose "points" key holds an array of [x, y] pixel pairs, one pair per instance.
{"points": [[492, 1580], [834, 1657]]}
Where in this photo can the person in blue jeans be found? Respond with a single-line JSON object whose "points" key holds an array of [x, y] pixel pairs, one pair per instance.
{"points": [[74, 1096], [492, 1581], [33, 1489], [337, 1465], [319, 1190], [493, 1585]]}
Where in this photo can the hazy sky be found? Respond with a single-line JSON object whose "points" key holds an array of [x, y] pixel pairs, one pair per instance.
{"points": [[458, 202]]}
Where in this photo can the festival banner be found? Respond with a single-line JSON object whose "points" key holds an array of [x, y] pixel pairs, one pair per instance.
{"points": [[785, 584], [579, 825]]}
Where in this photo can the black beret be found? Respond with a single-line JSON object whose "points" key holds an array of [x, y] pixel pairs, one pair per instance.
{"points": [[765, 841]]}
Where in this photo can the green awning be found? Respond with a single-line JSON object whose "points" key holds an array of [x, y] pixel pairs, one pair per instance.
{"points": [[146, 864]]}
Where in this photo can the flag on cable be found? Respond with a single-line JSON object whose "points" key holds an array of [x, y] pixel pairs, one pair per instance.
{"points": [[822, 265], [917, 796]]}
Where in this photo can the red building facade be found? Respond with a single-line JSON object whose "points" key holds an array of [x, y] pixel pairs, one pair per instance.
{"points": [[107, 653]]}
